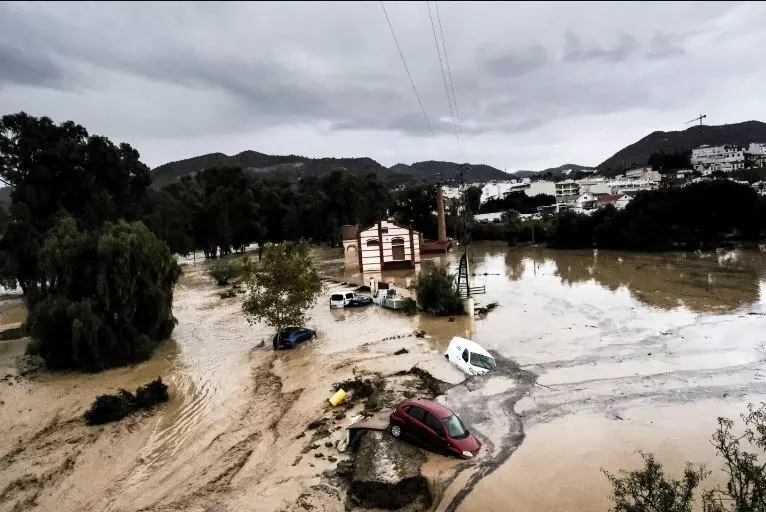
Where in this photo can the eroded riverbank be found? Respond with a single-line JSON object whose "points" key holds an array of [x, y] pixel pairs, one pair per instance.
{"points": [[601, 354]]}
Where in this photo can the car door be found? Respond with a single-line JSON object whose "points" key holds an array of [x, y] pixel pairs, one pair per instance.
{"points": [[416, 427], [437, 437], [349, 299]]}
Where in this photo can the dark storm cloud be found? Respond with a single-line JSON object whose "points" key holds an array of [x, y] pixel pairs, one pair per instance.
{"points": [[330, 71], [18, 67]]}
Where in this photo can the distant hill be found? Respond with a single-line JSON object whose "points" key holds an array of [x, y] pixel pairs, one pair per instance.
{"points": [[294, 166], [432, 171], [637, 154]]}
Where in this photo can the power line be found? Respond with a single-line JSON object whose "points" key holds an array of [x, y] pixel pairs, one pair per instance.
{"points": [[444, 75], [449, 73], [407, 69]]}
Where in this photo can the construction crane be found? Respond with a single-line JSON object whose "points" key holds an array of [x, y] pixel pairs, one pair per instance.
{"points": [[700, 118]]}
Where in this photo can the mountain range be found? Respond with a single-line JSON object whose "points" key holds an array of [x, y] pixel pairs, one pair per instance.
{"points": [[294, 166], [638, 153]]}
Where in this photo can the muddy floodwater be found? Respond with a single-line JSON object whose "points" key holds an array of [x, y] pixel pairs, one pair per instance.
{"points": [[600, 354]]}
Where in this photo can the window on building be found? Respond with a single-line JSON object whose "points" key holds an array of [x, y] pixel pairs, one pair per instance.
{"points": [[373, 242], [384, 230]]}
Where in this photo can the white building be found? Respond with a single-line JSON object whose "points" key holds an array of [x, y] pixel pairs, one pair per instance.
{"points": [[383, 246], [567, 191], [724, 158], [541, 187]]}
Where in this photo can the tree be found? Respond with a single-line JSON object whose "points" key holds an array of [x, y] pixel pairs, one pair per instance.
{"points": [[649, 490], [55, 168], [415, 206], [436, 291], [743, 455], [109, 295], [513, 226], [473, 198], [282, 286]]}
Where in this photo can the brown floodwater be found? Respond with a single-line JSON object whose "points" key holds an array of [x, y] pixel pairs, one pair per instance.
{"points": [[616, 352], [601, 354]]}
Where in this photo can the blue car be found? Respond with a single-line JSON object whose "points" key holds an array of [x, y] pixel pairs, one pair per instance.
{"points": [[291, 336]]}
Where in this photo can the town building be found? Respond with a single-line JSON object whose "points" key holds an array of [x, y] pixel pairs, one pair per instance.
{"points": [[382, 246], [567, 191], [725, 158]]}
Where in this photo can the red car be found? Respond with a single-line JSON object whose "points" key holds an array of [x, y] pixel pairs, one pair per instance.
{"points": [[435, 426]]}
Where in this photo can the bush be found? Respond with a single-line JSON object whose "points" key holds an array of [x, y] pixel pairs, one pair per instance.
{"points": [[436, 292], [109, 298], [223, 271], [650, 490], [108, 408]]}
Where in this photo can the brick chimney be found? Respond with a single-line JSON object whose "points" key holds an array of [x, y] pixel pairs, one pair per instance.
{"points": [[440, 221]]}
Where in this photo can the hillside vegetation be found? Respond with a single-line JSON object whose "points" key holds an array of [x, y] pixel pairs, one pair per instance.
{"points": [[638, 153]]}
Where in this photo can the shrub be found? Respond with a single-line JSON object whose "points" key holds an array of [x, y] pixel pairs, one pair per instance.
{"points": [[223, 271], [436, 292], [649, 489], [108, 408]]}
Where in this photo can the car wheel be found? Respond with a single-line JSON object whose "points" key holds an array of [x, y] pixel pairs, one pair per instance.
{"points": [[396, 431]]}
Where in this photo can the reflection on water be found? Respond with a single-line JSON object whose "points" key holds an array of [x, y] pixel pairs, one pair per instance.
{"points": [[703, 283], [699, 282]]}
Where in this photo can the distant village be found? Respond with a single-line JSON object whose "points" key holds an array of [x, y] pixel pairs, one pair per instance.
{"points": [[587, 194]]}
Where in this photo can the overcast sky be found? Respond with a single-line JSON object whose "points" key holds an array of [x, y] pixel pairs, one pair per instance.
{"points": [[537, 85]]}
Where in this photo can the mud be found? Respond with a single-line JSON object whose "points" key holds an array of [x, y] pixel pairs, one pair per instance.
{"points": [[600, 354], [386, 474]]}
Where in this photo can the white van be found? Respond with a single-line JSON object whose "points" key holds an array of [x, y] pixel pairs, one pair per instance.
{"points": [[337, 300], [469, 356]]}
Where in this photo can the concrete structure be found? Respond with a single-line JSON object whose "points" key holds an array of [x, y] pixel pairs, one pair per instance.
{"points": [[440, 222], [726, 158], [622, 201], [540, 187], [567, 191], [585, 203], [385, 245]]}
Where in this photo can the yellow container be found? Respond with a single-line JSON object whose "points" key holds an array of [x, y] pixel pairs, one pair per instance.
{"points": [[337, 397]]}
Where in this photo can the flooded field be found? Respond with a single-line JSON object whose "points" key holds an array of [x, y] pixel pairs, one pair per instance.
{"points": [[601, 354]]}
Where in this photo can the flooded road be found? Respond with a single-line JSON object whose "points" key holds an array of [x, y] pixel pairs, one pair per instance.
{"points": [[601, 354]]}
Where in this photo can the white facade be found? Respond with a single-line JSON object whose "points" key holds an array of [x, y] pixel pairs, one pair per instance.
{"points": [[567, 191], [541, 187], [585, 203], [623, 201], [622, 186], [387, 245], [724, 158]]}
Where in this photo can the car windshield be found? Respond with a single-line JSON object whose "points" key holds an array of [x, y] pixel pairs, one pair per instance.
{"points": [[481, 361], [336, 296], [455, 427]]}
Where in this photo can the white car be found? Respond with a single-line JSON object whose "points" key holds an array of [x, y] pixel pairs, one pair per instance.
{"points": [[349, 300], [469, 356]]}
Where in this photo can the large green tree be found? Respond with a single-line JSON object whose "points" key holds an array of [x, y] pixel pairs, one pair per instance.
{"points": [[109, 296], [282, 286], [57, 169]]}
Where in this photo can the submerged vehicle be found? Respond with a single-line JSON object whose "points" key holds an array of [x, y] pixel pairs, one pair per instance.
{"points": [[289, 337], [469, 356], [349, 300], [388, 298], [433, 425]]}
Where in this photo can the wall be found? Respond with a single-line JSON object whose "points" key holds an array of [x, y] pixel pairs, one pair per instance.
{"points": [[371, 254]]}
